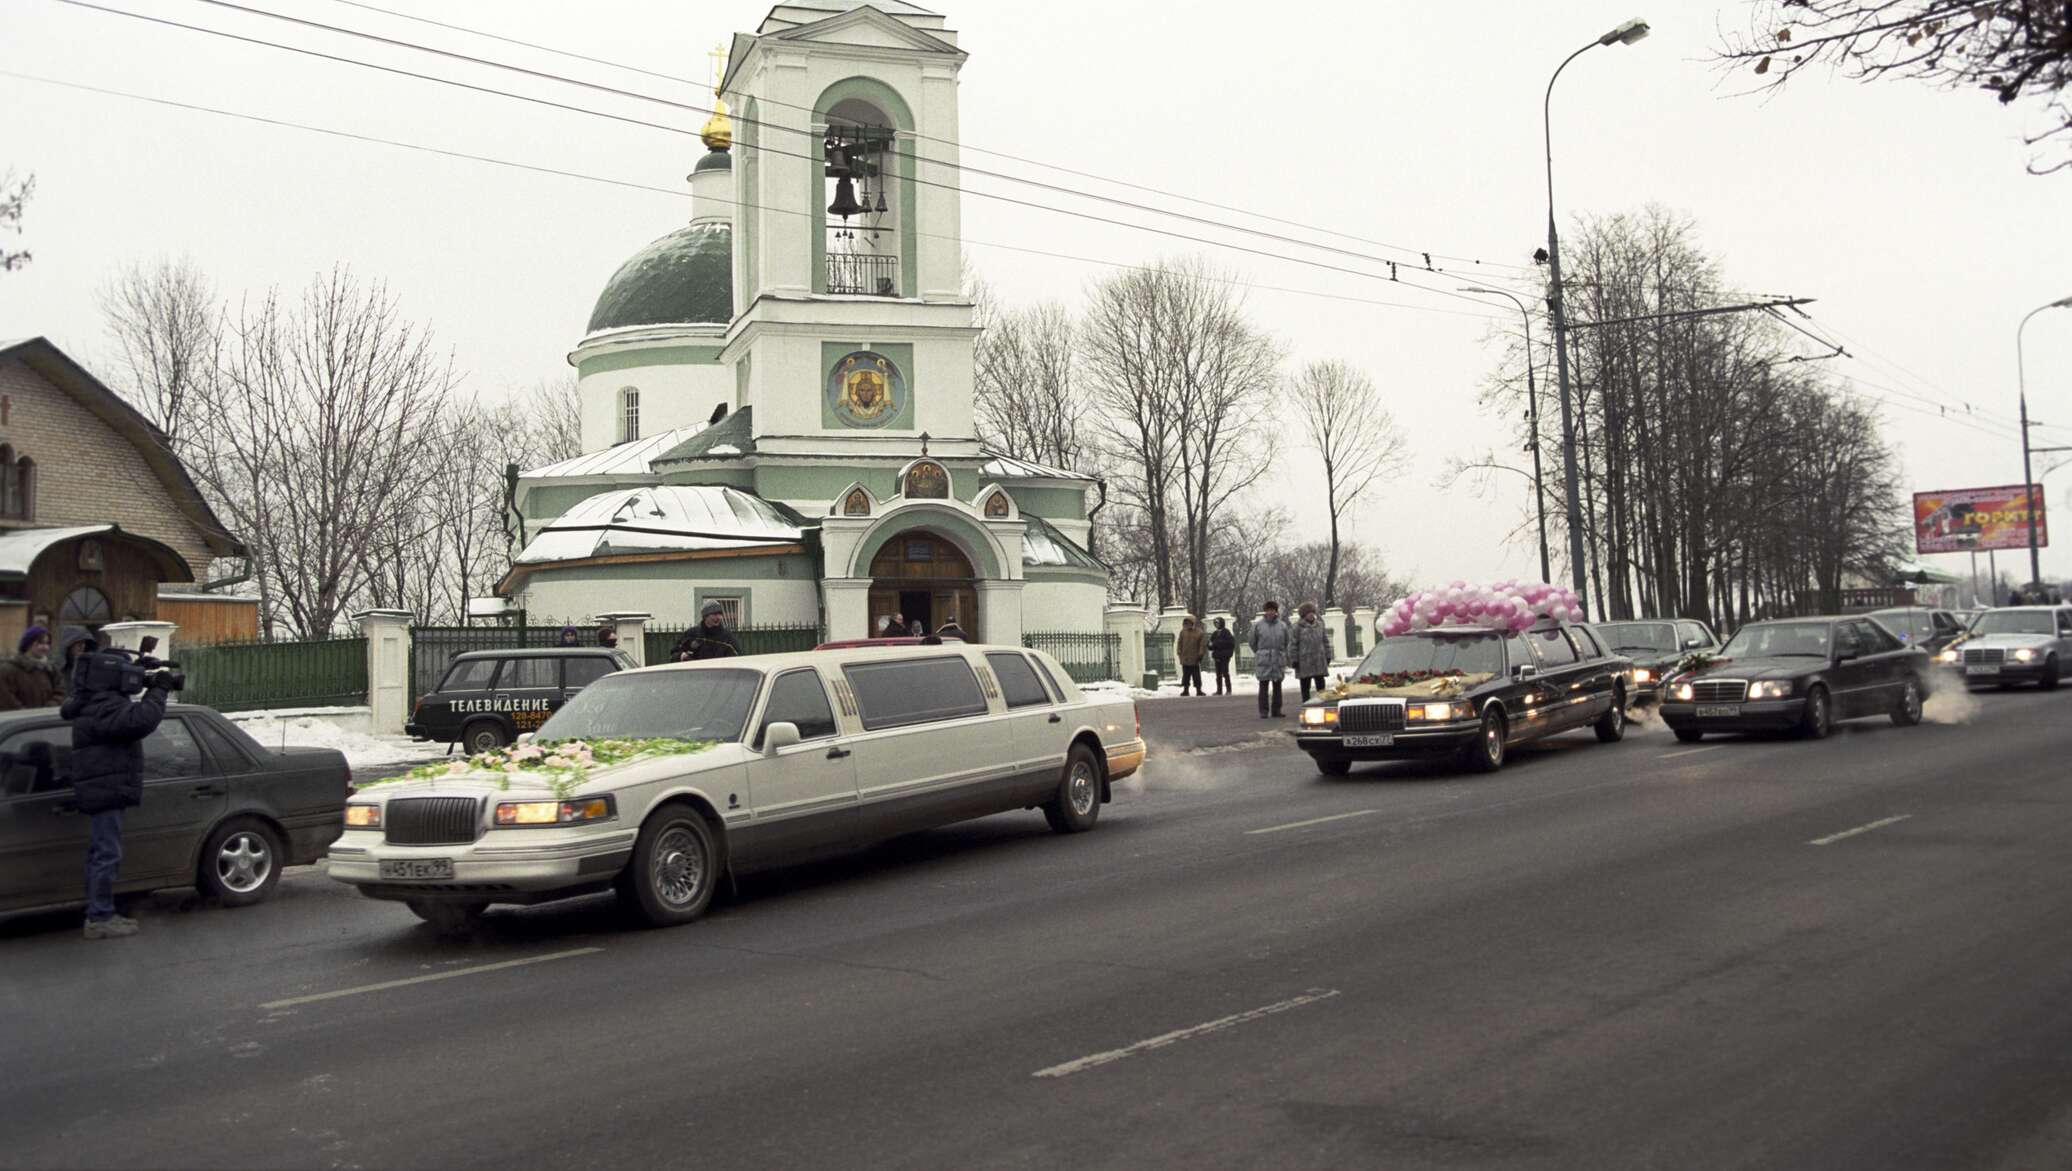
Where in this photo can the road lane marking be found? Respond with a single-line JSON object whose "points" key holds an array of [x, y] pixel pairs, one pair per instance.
{"points": [[1692, 751], [1177, 1035], [385, 985], [1861, 829], [1274, 829]]}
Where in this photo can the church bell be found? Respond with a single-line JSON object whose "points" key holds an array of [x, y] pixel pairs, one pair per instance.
{"points": [[845, 204]]}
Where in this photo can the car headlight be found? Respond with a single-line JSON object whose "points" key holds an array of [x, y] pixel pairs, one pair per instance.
{"points": [[1683, 692], [1769, 689], [1642, 675], [2024, 655], [509, 813], [1951, 655], [363, 817], [1319, 717], [1437, 713]]}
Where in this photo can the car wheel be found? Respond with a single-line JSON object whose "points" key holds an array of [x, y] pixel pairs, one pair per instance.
{"points": [[1819, 719], [1078, 804], [2049, 679], [241, 862], [1611, 726], [675, 867], [1486, 754], [448, 918], [483, 736], [1907, 712], [1688, 735], [1334, 766]]}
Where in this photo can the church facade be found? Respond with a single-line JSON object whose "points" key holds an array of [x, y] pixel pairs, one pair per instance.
{"points": [[777, 397]]}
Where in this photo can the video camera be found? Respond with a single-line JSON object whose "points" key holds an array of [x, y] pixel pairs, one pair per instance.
{"points": [[128, 671]]}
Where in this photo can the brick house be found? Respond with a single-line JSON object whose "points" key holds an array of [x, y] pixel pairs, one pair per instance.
{"points": [[99, 522]]}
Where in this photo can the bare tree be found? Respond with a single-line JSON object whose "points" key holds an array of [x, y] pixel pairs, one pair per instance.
{"points": [[552, 414], [164, 320], [14, 200], [2012, 49], [1027, 394], [1353, 434]]}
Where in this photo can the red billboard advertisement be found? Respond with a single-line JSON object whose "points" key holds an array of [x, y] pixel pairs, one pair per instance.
{"points": [[1961, 520]]}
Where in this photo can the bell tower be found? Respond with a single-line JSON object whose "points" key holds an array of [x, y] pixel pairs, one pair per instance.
{"points": [[852, 336]]}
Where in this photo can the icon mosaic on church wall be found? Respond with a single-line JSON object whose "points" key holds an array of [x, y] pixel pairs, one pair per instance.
{"points": [[866, 389]]}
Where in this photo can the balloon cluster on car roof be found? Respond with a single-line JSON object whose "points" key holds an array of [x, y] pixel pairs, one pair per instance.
{"points": [[1503, 605]]}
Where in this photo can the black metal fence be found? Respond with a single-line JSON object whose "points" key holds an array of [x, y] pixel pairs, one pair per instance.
{"points": [[769, 639], [863, 273], [1087, 658]]}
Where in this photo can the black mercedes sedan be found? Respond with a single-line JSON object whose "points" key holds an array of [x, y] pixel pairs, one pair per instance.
{"points": [[1467, 692], [1804, 674]]}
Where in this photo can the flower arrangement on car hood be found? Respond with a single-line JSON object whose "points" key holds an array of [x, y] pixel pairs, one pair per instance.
{"points": [[1409, 684], [562, 764]]}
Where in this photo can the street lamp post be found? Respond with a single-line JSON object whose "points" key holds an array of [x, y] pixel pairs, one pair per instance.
{"points": [[1532, 413], [2022, 386], [1625, 34]]}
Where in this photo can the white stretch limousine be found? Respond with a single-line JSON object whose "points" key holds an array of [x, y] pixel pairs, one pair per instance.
{"points": [[815, 752]]}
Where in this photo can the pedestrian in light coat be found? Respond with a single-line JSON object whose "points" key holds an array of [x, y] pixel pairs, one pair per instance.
{"points": [[1272, 639], [1188, 647], [1312, 650], [1222, 645]]}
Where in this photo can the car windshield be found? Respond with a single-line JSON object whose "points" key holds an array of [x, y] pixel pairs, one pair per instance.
{"points": [[679, 705], [1778, 640], [2014, 622], [1474, 654], [1639, 636]]}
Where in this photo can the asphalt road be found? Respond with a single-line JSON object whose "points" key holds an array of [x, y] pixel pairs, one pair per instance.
{"points": [[1642, 955]]}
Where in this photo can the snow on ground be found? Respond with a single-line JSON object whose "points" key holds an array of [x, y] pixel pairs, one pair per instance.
{"points": [[310, 730], [1241, 683]]}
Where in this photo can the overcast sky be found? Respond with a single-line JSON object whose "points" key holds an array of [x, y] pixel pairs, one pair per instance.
{"points": [[1905, 211]]}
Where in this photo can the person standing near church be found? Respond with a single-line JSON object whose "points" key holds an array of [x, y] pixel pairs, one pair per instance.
{"points": [[1271, 641], [1222, 645], [710, 639], [1188, 648], [30, 679], [1312, 650]]}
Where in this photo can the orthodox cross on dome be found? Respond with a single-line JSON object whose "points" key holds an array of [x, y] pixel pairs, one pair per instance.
{"points": [[718, 132]]}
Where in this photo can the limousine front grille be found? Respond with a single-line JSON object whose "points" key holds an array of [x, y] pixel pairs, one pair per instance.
{"points": [[1370, 717], [1719, 691], [1985, 654], [432, 821]]}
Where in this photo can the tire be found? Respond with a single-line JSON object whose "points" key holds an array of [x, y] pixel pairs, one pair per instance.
{"points": [[1907, 712], [2049, 679], [1334, 766], [1819, 719], [1688, 735], [483, 736], [1611, 726], [1486, 754], [241, 862], [676, 866], [448, 918], [1078, 804]]}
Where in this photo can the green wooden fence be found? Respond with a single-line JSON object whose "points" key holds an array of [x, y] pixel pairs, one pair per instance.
{"points": [[243, 676], [1087, 658], [769, 639]]}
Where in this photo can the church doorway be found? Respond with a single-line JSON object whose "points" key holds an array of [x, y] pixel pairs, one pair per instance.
{"points": [[924, 578]]}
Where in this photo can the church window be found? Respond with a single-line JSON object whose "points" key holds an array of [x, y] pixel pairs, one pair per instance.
{"points": [[17, 478], [629, 414]]}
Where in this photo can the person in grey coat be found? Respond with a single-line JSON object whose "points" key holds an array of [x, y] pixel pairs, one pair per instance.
{"points": [[1312, 650], [1271, 641]]}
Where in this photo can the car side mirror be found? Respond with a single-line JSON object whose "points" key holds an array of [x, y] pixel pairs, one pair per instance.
{"points": [[1525, 670], [782, 734], [1844, 654]]}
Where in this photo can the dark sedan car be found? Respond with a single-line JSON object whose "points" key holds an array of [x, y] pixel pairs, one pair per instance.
{"points": [[220, 811], [1800, 673], [1499, 689], [1922, 626], [1656, 646]]}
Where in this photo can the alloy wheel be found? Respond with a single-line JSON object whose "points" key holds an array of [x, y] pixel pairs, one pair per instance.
{"points": [[243, 862]]}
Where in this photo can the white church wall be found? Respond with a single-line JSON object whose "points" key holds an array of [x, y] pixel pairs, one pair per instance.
{"points": [[670, 592], [673, 393], [1053, 607]]}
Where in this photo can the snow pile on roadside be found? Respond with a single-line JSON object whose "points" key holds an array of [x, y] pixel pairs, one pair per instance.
{"points": [[303, 730]]}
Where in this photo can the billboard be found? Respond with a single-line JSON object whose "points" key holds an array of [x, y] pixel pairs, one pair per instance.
{"points": [[1961, 520]]}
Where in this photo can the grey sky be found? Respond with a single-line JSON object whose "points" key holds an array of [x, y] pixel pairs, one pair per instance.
{"points": [[1905, 211]]}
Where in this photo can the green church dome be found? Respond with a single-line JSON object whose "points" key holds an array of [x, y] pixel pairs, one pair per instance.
{"points": [[684, 278]]}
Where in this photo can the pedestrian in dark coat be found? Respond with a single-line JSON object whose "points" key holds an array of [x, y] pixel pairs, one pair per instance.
{"points": [[607, 634], [1271, 641], [109, 726], [570, 636], [1188, 649], [710, 639], [74, 642], [1312, 650], [949, 629], [1222, 645], [30, 679]]}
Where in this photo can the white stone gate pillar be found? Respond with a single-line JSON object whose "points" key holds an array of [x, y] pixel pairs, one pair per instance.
{"points": [[1127, 622], [632, 631], [131, 635], [847, 601], [1364, 618], [999, 612], [1334, 621], [388, 669]]}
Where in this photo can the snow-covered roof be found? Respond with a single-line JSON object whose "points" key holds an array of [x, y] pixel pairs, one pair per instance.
{"points": [[668, 519], [1043, 544], [625, 459], [1000, 466], [20, 548]]}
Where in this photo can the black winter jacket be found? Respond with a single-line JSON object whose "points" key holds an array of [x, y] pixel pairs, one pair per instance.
{"points": [[108, 731], [1222, 644], [702, 642]]}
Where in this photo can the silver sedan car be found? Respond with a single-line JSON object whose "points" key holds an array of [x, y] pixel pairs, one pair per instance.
{"points": [[2017, 644]]}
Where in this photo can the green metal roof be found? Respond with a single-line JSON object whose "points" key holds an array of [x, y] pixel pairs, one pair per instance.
{"points": [[686, 277], [730, 438]]}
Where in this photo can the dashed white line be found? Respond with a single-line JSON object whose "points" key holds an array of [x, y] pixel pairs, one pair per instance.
{"points": [[385, 985], [1691, 751], [1861, 829], [1177, 1035], [1274, 829]]}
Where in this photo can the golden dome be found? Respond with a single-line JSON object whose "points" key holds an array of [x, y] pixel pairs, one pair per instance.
{"points": [[718, 132]]}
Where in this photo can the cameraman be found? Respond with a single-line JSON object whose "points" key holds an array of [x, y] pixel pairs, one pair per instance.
{"points": [[116, 701]]}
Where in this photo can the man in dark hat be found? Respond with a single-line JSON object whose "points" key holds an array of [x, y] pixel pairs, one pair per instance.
{"points": [[30, 679], [710, 639], [1222, 645], [607, 634]]}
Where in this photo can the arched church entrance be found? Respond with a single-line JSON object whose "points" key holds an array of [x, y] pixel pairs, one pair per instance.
{"points": [[926, 578]]}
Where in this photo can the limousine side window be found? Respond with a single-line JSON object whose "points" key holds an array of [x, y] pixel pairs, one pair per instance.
{"points": [[1586, 642], [1017, 680], [1554, 649], [798, 697], [914, 691], [473, 675], [1050, 682]]}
